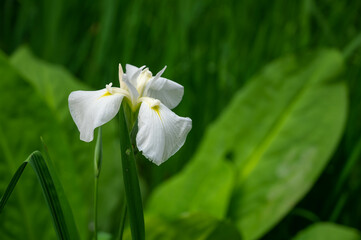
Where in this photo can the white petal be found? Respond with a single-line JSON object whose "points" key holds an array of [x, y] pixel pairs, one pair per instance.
{"points": [[132, 90], [161, 133], [121, 73], [168, 92], [130, 69], [132, 73], [91, 109]]}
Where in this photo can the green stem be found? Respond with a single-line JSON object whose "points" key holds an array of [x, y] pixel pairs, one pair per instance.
{"points": [[352, 46], [347, 168], [96, 208], [122, 221], [306, 214], [98, 156], [131, 182], [338, 207]]}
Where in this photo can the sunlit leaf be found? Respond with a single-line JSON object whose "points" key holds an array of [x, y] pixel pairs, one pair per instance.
{"points": [[328, 231], [278, 133], [194, 226]]}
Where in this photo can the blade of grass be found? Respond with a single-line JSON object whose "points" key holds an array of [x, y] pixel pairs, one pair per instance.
{"points": [[352, 46], [122, 221], [38, 164], [12, 185], [131, 182], [61, 220], [68, 213], [341, 181]]}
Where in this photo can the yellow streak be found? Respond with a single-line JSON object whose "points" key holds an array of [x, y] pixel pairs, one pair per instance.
{"points": [[156, 109], [105, 95]]}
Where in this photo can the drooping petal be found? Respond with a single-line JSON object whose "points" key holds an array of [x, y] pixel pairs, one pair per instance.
{"points": [[168, 92], [161, 133], [91, 109]]}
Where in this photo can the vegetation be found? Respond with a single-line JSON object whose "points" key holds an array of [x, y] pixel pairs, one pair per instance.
{"points": [[272, 87]]}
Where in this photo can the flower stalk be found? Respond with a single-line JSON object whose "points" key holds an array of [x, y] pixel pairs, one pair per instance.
{"points": [[131, 181], [147, 124], [98, 157]]}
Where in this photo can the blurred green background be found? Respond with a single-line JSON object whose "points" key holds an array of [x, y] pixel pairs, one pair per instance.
{"points": [[273, 89]]}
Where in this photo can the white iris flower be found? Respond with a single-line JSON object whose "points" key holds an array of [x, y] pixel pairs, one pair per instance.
{"points": [[160, 131]]}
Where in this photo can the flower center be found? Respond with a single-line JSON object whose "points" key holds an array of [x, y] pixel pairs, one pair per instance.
{"points": [[143, 79]]}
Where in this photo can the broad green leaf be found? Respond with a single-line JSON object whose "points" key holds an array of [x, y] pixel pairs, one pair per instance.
{"points": [[277, 134], [193, 226], [328, 231], [53, 83], [205, 188]]}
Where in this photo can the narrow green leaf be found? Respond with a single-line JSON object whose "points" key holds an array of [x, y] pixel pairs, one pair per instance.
{"points": [[123, 215], [345, 173], [68, 213], [131, 182], [12, 185], [63, 222], [329, 231], [51, 195]]}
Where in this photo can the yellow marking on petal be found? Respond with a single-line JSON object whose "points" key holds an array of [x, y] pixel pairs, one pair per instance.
{"points": [[105, 95], [156, 109]]}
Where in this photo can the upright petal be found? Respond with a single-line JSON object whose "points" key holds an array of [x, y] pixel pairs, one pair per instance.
{"points": [[132, 90], [91, 109], [168, 92], [132, 73], [121, 74], [161, 133], [130, 69]]}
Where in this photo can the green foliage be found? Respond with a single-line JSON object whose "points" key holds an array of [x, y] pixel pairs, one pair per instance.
{"points": [[194, 226], [11, 185], [213, 48], [276, 157], [55, 198], [18, 129], [33, 115], [328, 231], [210, 47]]}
